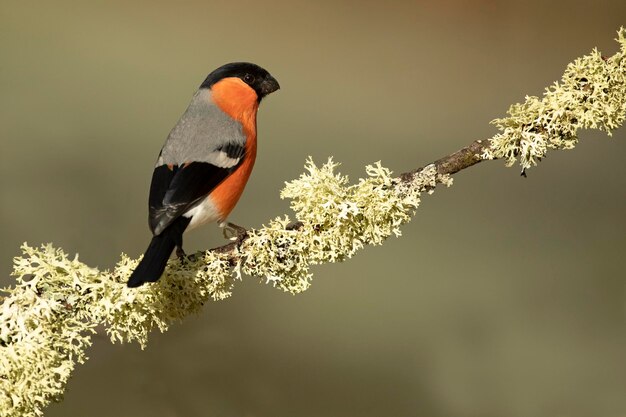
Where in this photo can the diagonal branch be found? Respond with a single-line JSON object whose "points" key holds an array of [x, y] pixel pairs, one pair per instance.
{"points": [[448, 165]]}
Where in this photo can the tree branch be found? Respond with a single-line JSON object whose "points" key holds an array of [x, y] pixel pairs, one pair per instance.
{"points": [[448, 165]]}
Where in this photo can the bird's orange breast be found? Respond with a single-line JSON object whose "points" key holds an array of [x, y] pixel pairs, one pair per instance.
{"points": [[239, 101], [226, 195]]}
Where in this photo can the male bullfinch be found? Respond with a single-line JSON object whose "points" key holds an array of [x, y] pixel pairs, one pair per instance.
{"points": [[205, 162]]}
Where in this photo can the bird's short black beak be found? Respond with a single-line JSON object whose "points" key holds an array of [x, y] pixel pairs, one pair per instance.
{"points": [[269, 85]]}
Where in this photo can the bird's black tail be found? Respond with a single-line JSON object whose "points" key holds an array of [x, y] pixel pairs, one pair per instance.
{"points": [[155, 259]]}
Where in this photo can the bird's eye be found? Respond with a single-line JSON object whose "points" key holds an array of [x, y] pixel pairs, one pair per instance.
{"points": [[248, 78]]}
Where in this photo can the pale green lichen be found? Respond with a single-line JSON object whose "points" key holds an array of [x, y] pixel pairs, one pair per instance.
{"points": [[590, 95], [337, 219], [41, 336], [130, 314], [47, 319]]}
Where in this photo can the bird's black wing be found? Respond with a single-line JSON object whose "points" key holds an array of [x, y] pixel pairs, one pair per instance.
{"points": [[176, 189]]}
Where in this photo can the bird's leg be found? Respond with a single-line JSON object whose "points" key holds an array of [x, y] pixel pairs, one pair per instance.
{"points": [[180, 253], [233, 232]]}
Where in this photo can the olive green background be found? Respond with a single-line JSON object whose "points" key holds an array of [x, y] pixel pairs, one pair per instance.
{"points": [[504, 297]]}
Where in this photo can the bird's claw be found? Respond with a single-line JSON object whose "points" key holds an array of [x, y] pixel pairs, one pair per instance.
{"points": [[180, 254]]}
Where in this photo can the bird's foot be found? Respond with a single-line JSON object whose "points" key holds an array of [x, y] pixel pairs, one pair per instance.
{"points": [[233, 232], [180, 254]]}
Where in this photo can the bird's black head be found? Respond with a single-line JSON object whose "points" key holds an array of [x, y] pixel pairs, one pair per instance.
{"points": [[253, 75]]}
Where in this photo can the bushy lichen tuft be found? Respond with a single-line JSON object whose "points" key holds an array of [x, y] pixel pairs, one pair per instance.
{"points": [[337, 219], [47, 319], [43, 332], [590, 95], [130, 314], [278, 255]]}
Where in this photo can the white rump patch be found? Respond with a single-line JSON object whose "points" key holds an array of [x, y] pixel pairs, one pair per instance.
{"points": [[202, 213]]}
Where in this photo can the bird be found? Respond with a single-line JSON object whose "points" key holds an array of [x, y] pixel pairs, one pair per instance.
{"points": [[205, 163]]}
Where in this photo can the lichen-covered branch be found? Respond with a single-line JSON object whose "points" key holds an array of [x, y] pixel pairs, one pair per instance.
{"points": [[48, 317]]}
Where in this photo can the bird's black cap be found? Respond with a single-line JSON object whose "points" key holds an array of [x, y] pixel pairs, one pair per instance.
{"points": [[253, 75]]}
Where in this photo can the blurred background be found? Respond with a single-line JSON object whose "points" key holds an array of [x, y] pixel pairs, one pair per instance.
{"points": [[504, 297]]}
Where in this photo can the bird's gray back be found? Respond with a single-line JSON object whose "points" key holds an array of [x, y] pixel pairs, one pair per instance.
{"points": [[201, 133]]}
